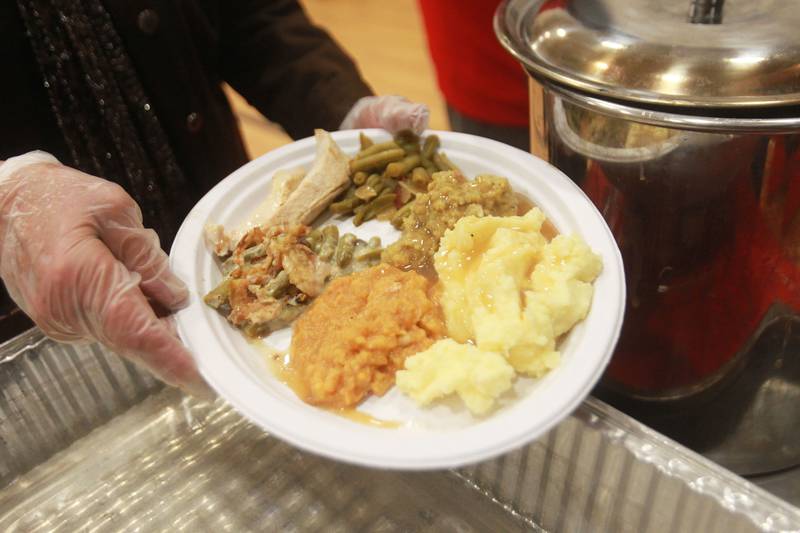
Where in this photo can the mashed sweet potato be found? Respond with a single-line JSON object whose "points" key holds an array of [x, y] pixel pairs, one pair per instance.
{"points": [[358, 333]]}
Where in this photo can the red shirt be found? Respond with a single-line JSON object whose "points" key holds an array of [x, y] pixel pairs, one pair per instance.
{"points": [[477, 76]]}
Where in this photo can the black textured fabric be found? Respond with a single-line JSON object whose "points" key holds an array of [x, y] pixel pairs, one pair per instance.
{"points": [[100, 106]]}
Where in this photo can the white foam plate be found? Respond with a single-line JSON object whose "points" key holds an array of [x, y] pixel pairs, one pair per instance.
{"points": [[445, 435]]}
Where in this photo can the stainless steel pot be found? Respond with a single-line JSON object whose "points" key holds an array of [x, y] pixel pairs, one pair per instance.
{"points": [[687, 138]]}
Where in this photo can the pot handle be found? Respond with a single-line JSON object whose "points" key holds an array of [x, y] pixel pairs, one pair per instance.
{"points": [[706, 11]]}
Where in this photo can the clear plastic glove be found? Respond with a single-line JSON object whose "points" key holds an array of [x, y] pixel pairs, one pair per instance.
{"points": [[392, 113], [75, 257]]}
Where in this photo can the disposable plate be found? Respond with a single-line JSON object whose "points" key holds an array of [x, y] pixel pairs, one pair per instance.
{"points": [[441, 436]]}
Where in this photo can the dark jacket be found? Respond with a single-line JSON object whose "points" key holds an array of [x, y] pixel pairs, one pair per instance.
{"points": [[183, 52], [267, 50]]}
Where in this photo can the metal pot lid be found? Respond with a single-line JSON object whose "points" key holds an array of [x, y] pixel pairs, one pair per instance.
{"points": [[697, 53]]}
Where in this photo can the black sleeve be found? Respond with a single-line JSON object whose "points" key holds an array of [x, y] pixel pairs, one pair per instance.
{"points": [[289, 69]]}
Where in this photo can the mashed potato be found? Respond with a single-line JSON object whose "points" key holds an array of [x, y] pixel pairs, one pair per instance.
{"points": [[447, 367], [510, 292]]}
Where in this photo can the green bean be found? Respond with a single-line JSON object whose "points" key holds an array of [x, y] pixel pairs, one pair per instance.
{"points": [[330, 235], [412, 188], [219, 295], [345, 206], [368, 251], [430, 146], [349, 193], [406, 137], [289, 313], [371, 189], [277, 285], [389, 185], [429, 166], [375, 181], [420, 178], [360, 245], [375, 148], [377, 161], [358, 217], [400, 168], [365, 141], [345, 249], [365, 193], [314, 239], [410, 149], [443, 162], [408, 141], [259, 328], [228, 266], [367, 254], [359, 178], [330, 232], [374, 208], [380, 204], [254, 252]]}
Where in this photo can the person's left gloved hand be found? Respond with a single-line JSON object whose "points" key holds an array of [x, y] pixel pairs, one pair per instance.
{"points": [[392, 113], [76, 258]]}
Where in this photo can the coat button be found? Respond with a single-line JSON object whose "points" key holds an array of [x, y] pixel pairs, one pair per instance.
{"points": [[148, 21], [194, 121]]}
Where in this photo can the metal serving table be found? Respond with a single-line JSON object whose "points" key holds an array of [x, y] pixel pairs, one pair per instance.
{"points": [[90, 443]]}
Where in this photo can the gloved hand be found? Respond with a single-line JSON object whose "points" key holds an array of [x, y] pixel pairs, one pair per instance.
{"points": [[75, 257], [392, 113]]}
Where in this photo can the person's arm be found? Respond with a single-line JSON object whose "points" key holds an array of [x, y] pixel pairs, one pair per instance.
{"points": [[75, 257], [289, 69]]}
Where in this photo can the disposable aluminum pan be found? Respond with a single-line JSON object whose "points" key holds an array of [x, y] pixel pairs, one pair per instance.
{"points": [[89, 443]]}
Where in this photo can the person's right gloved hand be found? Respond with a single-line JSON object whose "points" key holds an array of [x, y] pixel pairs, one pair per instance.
{"points": [[75, 257]]}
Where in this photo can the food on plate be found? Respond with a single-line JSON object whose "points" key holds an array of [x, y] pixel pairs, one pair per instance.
{"points": [[509, 291], [274, 264], [294, 198], [358, 333], [348, 252], [284, 182], [275, 271], [386, 176], [507, 287], [449, 197], [448, 367], [327, 178]]}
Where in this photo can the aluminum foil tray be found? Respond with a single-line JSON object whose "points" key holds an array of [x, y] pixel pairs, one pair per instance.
{"points": [[90, 443]]}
